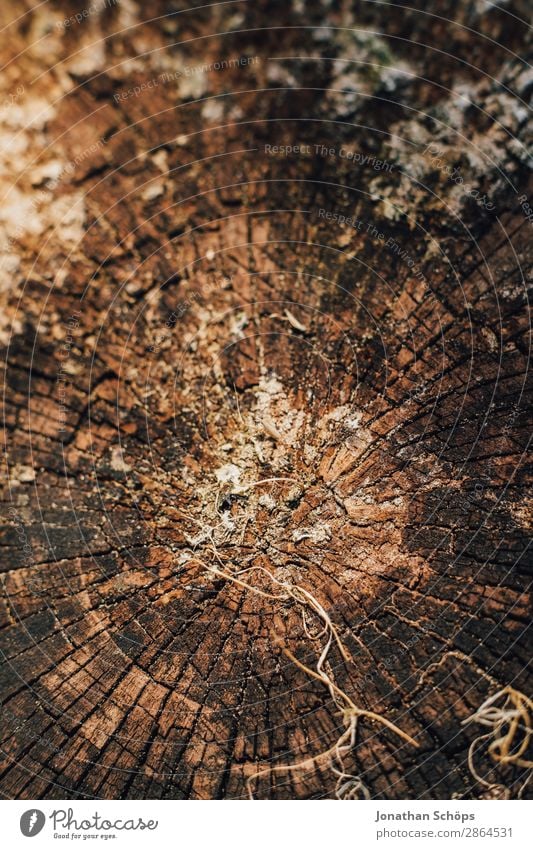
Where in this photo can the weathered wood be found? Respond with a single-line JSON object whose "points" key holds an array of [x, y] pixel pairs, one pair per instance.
{"points": [[186, 314]]}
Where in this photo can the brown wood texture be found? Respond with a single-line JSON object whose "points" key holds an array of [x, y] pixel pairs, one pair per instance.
{"points": [[299, 250]]}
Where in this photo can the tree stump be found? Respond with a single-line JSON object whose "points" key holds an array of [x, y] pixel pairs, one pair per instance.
{"points": [[266, 325]]}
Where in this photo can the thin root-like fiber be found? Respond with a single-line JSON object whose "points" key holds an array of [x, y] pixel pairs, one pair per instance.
{"points": [[348, 786], [507, 715]]}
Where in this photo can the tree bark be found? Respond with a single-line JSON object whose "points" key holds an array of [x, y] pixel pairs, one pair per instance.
{"points": [[265, 285]]}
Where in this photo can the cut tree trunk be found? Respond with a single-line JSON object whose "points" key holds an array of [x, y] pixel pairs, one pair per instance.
{"points": [[265, 285]]}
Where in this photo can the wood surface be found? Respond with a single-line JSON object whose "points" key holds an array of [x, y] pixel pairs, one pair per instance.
{"points": [[193, 307]]}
